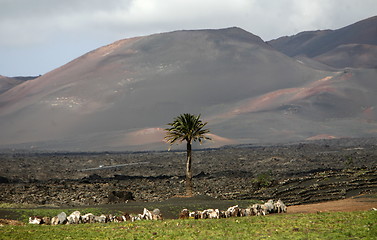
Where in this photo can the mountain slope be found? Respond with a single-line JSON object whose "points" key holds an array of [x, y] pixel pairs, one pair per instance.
{"points": [[7, 83], [313, 44], [121, 96], [350, 55]]}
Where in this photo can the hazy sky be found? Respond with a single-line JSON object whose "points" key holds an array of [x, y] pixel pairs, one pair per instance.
{"points": [[38, 36]]}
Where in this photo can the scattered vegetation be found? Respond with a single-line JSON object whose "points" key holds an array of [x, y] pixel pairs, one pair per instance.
{"points": [[341, 225], [263, 180], [349, 161], [17, 205]]}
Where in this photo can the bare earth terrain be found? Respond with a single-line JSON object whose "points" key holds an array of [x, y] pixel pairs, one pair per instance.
{"points": [[314, 172], [360, 203]]}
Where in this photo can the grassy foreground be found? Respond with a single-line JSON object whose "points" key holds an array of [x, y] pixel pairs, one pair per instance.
{"points": [[340, 225]]}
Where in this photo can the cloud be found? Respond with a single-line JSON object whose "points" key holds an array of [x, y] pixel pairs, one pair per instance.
{"points": [[29, 22], [153, 16], [44, 19], [80, 25]]}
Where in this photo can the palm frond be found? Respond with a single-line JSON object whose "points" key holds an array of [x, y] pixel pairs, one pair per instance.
{"points": [[186, 127]]}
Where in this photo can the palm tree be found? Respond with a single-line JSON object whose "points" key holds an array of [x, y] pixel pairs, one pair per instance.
{"points": [[187, 127]]}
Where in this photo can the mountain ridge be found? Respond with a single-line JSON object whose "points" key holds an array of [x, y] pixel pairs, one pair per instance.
{"points": [[120, 96], [313, 44]]}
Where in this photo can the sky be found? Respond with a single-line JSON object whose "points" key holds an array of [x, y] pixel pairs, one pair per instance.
{"points": [[37, 36]]}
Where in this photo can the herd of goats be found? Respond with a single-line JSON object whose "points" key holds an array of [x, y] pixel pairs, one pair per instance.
{"points": [[255, 210], [75, 218]]}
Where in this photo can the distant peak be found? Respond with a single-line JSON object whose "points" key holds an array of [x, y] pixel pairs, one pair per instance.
{"points": [[226, 29], [232, 32]]}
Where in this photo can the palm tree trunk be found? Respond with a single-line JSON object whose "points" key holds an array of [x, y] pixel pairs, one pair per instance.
{"points": [[188, 171]]}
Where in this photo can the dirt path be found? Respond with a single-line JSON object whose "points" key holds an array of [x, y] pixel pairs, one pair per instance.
{"points": [[359, 203]]}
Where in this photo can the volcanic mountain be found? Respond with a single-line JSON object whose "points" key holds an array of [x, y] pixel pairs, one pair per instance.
{"points": [[351, 46], [121, 96], [7, 83]]}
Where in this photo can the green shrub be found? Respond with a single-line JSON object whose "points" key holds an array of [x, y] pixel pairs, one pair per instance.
{"points": [[263, 180]]}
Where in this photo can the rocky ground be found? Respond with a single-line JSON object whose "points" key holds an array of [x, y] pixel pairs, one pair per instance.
{"points": [[297, 173]]}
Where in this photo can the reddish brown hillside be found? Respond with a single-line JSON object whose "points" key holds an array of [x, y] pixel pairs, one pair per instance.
{"points": [[335, 47], [120, 96]]}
